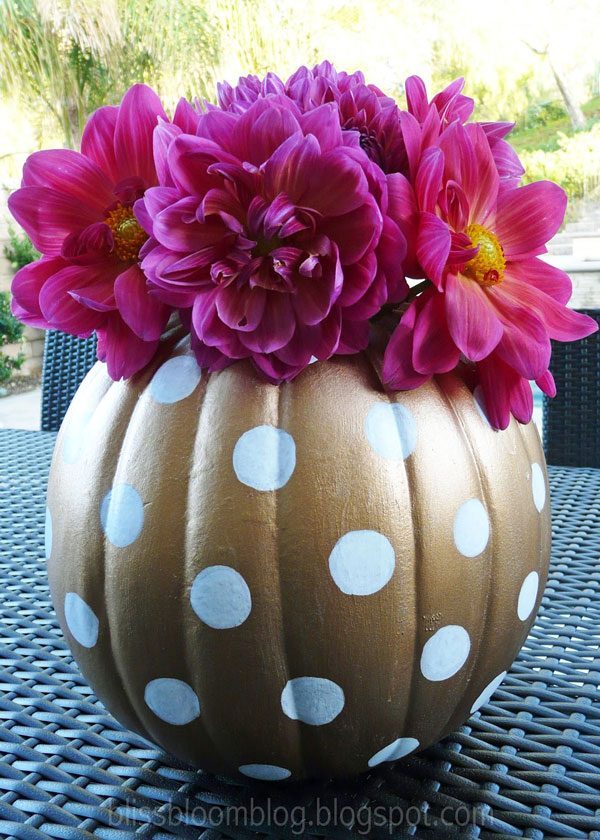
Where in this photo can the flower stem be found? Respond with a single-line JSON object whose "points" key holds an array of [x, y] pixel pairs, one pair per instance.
{"points": [[415, 291], [398, 309]]}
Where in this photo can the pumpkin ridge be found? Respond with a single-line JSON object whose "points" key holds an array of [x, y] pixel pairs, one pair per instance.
{"points": [[205, 383], [538, 457], [418, 554], [118, 670], [297, 725], [485, 492], [374, 359]]}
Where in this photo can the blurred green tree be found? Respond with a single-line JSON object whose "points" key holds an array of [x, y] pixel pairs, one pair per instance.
{"points": [[68, 57]]}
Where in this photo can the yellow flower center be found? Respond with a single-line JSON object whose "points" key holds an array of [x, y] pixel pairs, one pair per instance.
{"points": [[487, 268], [127, 233]]}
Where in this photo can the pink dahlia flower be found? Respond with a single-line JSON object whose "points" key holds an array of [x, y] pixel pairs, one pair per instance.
{"points": [[492, 302], [363, 108], [78, 211], [272, 228], [425, 121]]}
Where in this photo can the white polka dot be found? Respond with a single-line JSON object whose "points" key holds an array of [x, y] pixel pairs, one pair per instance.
{"points": [[445, 653], [220, 597], [81, 620], [48, 534], [471, 528], [75, 434], [362, 562], [264, 458], [122, 515], [312, 360], [312, 700], [397, 749], [538, 486], [265, 772], [175, 380], [173, 701], [487, 692], [391, 430], [528, 595]]}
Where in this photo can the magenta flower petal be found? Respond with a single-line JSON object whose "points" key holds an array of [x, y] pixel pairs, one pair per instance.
{"points": [[354, 337], [163, 136], [217, 126], [528, 217], [398, 371], [416, 97], [61, 309], [510, 169], [355, 233], [189, 159], [123, 351], [560, 322], [336, 185], [413, 141], [186, 116], [143, 314], [451, 104], [521, 404], [155, 199], [473, 324], [263, 128], [49, 216], [497, 381], [391, 253], [289, 167], [433, 246], [241, 309], [276, 327], [545, 277], [97, 141], [525, 344], [176, 227], [68, 172], [323, 123], [209, 358], [358, 278], [497, 130], [433, 350], [321, 340], [429, 179], [210, 330], [27, 285], [546, 384], [99, 295], [137, 118], [313, 301]]}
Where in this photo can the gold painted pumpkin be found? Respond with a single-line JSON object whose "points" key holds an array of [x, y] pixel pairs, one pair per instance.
{"points": [[294, 581]]}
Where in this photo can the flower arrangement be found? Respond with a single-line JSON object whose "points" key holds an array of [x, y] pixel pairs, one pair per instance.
{"points": [[280, 223]]}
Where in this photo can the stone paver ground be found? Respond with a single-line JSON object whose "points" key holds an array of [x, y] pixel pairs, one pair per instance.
{"points": [[21, 411]]}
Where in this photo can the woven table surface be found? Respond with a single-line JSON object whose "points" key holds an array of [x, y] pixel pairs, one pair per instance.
{"points": [[526, 765]]}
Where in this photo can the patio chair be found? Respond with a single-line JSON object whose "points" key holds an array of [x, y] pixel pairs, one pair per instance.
{"points": [[572, 418], [66, 361]]}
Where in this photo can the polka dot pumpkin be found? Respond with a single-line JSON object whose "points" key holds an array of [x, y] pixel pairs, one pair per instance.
{"points": [[303, 581]]}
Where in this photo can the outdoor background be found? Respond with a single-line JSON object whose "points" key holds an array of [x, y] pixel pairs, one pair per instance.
{"points": [[536, 62]]}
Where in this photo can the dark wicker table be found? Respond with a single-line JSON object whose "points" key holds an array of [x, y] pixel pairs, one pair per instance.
{"points": [[527, 765]]}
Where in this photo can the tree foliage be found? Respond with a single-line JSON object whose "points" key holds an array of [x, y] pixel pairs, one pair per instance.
{"points": [[11, 332], [69, 57]]}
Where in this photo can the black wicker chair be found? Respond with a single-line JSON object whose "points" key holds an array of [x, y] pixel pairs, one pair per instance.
{"points": [[572, 418], [66, 362]]}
